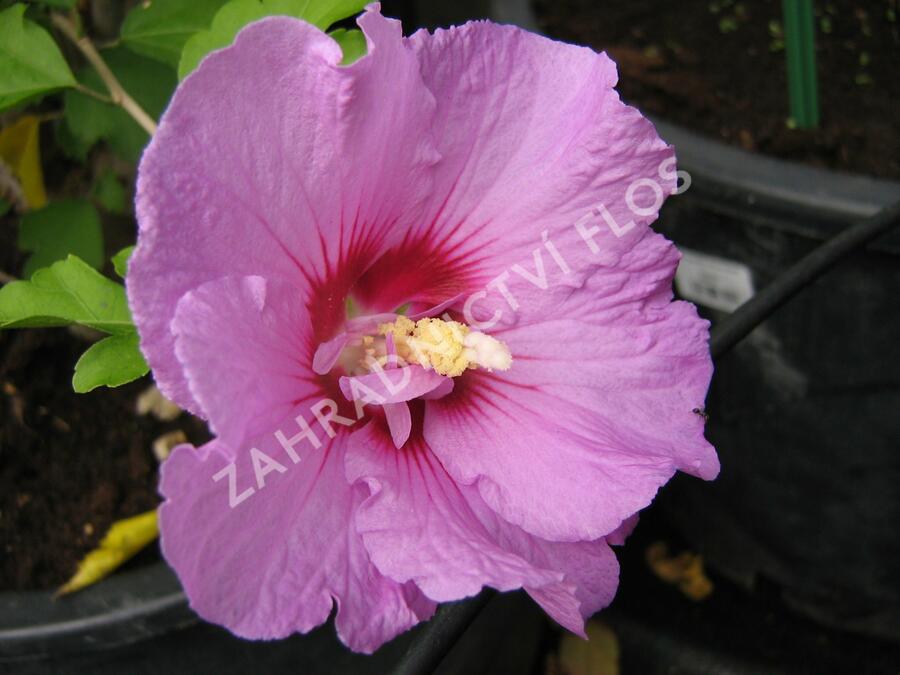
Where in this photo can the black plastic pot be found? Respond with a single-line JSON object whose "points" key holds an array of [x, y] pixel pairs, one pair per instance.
{"points": [[138, 622], [663, 632], [805, 412], [126, 608]]}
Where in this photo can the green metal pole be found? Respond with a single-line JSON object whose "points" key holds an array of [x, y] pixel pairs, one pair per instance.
{"points": [[800, 48]]}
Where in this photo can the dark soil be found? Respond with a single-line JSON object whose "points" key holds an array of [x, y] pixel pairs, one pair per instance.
{"points": [[718, 66], [70, 464]]}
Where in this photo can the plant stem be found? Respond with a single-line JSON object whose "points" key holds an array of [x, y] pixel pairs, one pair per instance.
{"points": [[11, 188], [117, 94], [87, 91], [800, 50]]}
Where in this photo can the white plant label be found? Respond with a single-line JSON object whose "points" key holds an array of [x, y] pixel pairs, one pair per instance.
{"points": [[712, 281]]}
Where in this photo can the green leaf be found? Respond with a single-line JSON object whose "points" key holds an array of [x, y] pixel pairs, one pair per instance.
{"points": [[352, 42], [61, 4], [236, 14], [30, 62], [57, 230], [71, 146], [69, 291], [160, 28], [120, 261], [110, 193], [112, 362], [149, 82]]}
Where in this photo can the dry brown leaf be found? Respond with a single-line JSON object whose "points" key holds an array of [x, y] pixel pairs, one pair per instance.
{"points": [[684, 570], [163, 445], [151, 401]]}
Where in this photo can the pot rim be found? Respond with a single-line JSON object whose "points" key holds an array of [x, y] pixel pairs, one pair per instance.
{"points": [[127, 607]]}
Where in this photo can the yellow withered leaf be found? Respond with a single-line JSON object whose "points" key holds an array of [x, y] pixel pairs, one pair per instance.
{"points": [[20, 149], [124, 539], [598, 655]]}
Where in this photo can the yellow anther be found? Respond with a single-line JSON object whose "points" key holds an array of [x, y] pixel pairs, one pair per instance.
{"points": [[440, 344], [449, 347], [400, 328]]}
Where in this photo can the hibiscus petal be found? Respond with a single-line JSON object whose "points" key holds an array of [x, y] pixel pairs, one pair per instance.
{"points": [[367, 324], [533, 138], [621, 534], [328, 353], [240, 341], [399, 422], [595, 413], [438, 309], [420, 525], [248, 175], [271, 565], [443, 389], [391, 385], [591, 578]]}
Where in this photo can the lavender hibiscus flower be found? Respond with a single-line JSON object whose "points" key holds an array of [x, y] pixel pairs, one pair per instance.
{"points": [[508, 427]]}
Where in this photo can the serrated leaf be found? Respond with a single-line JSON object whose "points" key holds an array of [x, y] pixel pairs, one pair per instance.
{"points": [[120, 261], [111, 362], [124, 539], [236, 14], [160, 28], [60, 229], [352, 42], [110, 193], [149, 82], [69, 291], [21, 150], [30, 62]]}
